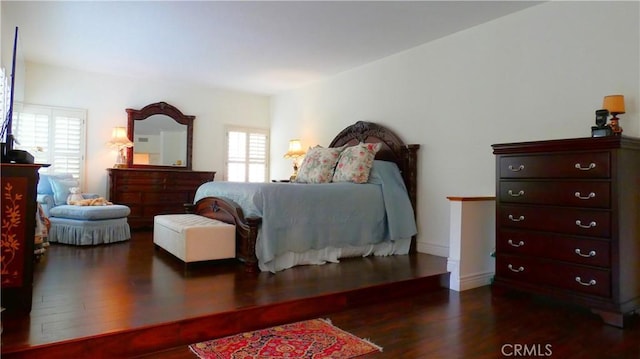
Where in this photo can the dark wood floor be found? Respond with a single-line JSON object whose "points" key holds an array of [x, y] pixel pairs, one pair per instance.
{"points": [[128, 295], [478, 324], [129, 298]]}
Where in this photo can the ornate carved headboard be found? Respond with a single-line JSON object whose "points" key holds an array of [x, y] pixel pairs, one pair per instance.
{"points": [[393, 149]]}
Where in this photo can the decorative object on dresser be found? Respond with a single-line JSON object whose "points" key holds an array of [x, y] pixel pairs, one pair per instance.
{"points": [[567, 221], [19, 182], [120, 142], [601, 128], [295, 152], [615, 105], [152, 191]]}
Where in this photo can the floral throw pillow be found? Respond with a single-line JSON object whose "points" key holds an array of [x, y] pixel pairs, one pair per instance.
{"points": [[354, 164], [318, 165]]}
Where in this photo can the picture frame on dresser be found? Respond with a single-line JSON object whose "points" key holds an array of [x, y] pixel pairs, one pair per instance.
{"points": [[567, 222]]}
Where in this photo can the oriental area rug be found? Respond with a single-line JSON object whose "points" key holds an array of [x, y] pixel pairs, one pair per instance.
{"points": [[316, 338]]}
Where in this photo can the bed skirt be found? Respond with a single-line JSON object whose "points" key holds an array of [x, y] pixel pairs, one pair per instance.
{"points": [[333, 255], [84, 233]]}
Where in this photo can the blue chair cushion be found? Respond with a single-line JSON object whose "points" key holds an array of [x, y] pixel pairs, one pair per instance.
{"points": [[90, 213]]}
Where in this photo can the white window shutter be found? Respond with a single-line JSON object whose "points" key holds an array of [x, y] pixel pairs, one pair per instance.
{"points": [[247, 155], [52, 135]]}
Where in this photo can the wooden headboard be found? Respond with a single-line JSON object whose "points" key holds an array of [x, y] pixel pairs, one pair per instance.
{"points": [[393, 149]]}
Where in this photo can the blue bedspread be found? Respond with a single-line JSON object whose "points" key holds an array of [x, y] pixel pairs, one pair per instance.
{"points": [[298, 217]]}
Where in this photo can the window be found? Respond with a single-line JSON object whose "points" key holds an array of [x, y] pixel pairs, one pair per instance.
{"points": [[247, 154], [5, 96], [52, 135]]}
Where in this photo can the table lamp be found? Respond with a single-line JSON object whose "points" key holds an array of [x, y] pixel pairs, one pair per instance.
{"points": [[120, 141], [295, 152], [615, 105]]}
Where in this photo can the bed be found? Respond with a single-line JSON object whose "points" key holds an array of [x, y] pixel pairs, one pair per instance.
{"points": [[281, 225]]}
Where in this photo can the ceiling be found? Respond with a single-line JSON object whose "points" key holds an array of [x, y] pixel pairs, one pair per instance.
{"points": [[263, 46]]}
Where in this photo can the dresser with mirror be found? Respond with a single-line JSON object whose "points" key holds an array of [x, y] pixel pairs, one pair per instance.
{"points": [[158, 177]]}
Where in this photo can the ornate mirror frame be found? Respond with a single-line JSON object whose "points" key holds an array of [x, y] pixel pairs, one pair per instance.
{"points": [[160, 108]]}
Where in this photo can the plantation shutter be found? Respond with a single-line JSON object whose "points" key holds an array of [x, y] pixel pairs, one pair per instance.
{"points": [[236, 156], [257, 157], [66, 142], [52, 135], [247, 155]]}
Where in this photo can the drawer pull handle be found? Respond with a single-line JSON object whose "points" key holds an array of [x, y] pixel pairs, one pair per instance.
{"points": [[590, 254], [586, 284], [520, 193], [521, 218], [580, 196], [519, 244], [518, 270], [516, 169], [591, 166], [590, 225]]}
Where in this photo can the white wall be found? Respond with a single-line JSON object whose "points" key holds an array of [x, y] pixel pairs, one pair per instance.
{"points": [[174, 147], [107, 97], [534, 75]]}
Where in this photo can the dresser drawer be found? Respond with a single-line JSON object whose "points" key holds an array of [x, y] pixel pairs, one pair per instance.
{"points": [[557, 274], [156, 209], [575, 165], [136, 210], [142, 187], [128, 197], [564, 248], [585, 222], [594, 194], [166, 197], [138, 180]]}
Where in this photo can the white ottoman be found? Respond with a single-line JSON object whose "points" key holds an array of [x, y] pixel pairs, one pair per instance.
{"points": [[194, 238]]}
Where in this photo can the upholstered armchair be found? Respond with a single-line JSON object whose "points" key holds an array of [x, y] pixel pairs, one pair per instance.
{"points": [[53, 190], [78, 224]]}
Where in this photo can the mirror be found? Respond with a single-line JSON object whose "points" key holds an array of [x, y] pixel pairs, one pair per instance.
{"points": [[162, 137]]}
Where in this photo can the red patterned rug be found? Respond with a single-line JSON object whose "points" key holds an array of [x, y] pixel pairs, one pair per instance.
{"points": [[316, 338]]}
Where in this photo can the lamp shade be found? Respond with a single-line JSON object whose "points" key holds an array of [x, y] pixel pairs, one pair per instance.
{"points": [[614, 103], [295, 149], [119, 138]]}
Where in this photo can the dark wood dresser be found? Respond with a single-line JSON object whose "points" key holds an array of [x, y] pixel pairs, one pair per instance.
{"points": [[19, 182], [153, 191], [568, 221]]}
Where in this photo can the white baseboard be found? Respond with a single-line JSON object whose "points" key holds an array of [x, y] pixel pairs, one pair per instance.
{"points": [[469, 281], [475, 280], [434, 249]]}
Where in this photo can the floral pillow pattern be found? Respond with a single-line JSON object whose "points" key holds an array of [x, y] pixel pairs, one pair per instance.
{"points": [[318, 165], [354, 164]]}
